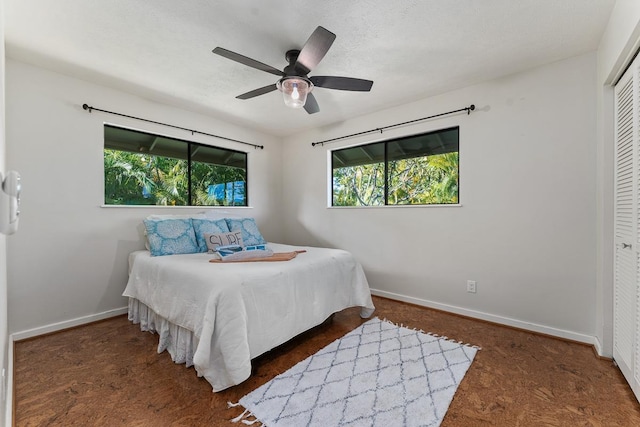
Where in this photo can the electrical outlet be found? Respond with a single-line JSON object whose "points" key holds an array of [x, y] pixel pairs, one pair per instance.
{"points": [[471, 286]]}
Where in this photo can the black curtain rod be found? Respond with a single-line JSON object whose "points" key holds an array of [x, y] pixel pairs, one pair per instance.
{"points": [[90, 109], [468, 109]]}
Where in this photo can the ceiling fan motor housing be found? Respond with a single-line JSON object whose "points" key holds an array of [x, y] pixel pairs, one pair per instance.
{"points": [[291, 56]]}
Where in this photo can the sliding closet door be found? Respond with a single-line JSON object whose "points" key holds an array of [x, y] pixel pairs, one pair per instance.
{"points": [[626, 226]]}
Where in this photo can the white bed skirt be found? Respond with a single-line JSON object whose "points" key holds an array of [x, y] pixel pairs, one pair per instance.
{"points": [[181, 343]]}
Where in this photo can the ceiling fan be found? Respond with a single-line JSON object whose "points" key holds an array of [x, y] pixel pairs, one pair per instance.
{"points": [[294, 83]]}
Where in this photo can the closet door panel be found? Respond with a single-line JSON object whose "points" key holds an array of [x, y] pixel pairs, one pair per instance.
{"points": [[635, 295], [626, 220]]}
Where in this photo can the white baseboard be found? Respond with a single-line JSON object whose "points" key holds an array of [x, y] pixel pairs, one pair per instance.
{"points": [[597, 345], [54, 327], [534, 327]]}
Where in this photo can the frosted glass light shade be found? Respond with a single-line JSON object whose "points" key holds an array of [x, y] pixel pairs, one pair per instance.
{"points": [[294, 91]]}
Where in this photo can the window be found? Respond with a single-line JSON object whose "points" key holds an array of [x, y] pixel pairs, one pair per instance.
{"points": [[415, 170], [146, 169]]}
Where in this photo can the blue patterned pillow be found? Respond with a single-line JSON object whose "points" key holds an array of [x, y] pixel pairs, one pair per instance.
{"points": [[250, 233], [209, 226], [171, 236]]}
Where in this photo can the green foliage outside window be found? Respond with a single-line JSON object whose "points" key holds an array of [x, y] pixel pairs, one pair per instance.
{"points": [[359, 185], [420, 170], [424, 180], [230, 181], [137, 179], [140, 178]]}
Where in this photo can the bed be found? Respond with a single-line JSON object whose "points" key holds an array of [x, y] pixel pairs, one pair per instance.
{"points": [[218, 316]]}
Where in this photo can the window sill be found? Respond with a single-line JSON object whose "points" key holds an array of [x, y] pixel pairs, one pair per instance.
{"points": [[452, 205], [174, 207]]}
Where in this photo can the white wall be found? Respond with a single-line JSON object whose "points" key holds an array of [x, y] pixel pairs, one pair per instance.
{"points": [[69, 258], [4, 335], [620, 41], [526, 228]]}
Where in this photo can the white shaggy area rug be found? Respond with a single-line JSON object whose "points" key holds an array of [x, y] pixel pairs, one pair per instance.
{"points": [[379, 374]]}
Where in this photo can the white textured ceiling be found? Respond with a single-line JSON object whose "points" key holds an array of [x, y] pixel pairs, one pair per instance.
{"points": [[411, 49]]}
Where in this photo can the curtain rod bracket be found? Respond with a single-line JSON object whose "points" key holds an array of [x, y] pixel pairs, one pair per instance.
{"points": [[193, 132]]}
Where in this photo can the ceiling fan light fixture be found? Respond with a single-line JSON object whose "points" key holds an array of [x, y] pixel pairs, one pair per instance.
{"points": [[294, 90]]}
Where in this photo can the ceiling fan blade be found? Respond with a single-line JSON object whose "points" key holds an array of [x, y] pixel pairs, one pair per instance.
{"points": [[257, 92], [311, 106], [247, 61], [314, 49], [342, 83]]}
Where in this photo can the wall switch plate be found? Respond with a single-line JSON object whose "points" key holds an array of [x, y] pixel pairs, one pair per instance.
{"points": [[471, 286]]}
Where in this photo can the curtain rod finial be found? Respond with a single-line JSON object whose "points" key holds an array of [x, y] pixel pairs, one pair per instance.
{"points": [[86, 107]]}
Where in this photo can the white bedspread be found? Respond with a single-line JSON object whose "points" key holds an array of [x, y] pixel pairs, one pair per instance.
{"points": [[238, 311]]}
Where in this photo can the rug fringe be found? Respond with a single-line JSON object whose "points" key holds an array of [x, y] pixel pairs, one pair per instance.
{"points": [[444, 337], [253, 422], [244, 417], [241, 416]]}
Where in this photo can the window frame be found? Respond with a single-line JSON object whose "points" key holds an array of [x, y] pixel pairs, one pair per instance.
{"points": [[190, 149], [385, 161]]}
